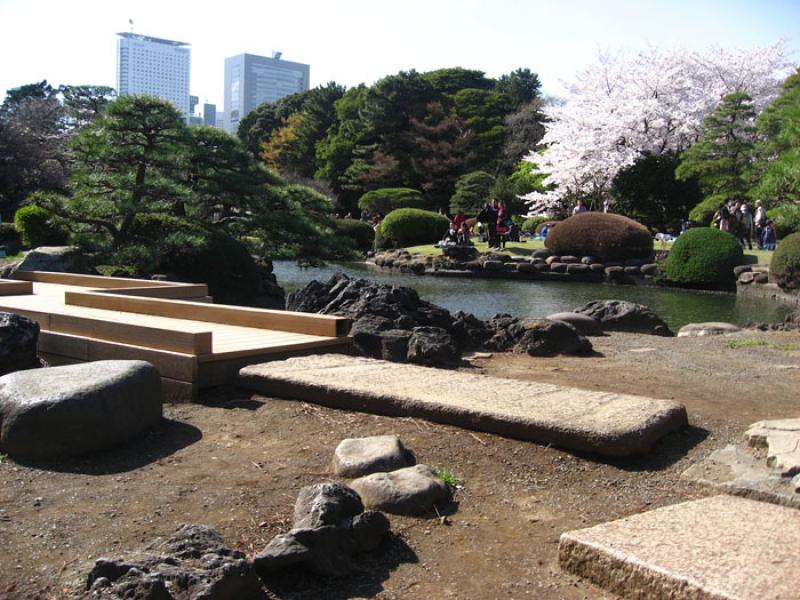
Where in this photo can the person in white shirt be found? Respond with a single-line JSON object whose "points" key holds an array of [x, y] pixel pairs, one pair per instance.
{"points": [[760, 222]]}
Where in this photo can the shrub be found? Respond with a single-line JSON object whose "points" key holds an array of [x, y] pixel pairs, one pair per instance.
{"points": [[385, 200], [704, 257], [602, 235], [361, 233], [530, 224], [786, 218], [39, 227], [785, 264], [412, 226], [472, 190], [704, 211]]}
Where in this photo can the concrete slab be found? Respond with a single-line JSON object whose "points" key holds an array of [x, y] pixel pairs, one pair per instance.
{"points": [[736, 471], [722, 548], [600, 422], [781, 437]]}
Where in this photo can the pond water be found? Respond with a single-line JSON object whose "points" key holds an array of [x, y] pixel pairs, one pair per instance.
{"points": [[531, 299]]}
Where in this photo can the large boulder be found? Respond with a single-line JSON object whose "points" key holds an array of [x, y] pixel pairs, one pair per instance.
{"points": [[540, 337], [460, 253], [191, 563], [329, 528], [58, 259], [620, 315], [413, 490], [585, 324], [18, 338], [356, 457], [432, 347], [60, 411]]}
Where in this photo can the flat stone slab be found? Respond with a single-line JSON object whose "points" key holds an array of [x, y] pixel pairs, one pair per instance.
{"points": [[356, 457], [736, 471], [782, 439], [600, 422], [721, 547], [409, 491], [710, 328]]}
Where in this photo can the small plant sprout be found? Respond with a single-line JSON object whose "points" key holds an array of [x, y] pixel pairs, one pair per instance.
{"points": [[447, 477]]}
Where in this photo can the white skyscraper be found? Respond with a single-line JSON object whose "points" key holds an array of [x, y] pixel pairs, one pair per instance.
{"points": [[154, 67]]}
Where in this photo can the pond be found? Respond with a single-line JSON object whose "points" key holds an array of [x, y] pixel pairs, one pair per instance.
{"points": [[532, 299]]}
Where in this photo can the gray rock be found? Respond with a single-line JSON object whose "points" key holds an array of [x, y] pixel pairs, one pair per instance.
{"points": [[541, 253], [781, 437], [192, 563], [552, 259], [413, 490], [558, 267], [703, 329], [597, 267], [742, 269], [570, 259], [461, 253], [433, 347], [394, 344], [747, 278], [326, 550], [585, 324], [761, 278], [527, 268], [60, 411], [649, 269], [577, 268], [493, 265], [589, 260], [620, 315], [633, 270], [356, 457], [18, 338], [614, 271], [59, 259], [543, 337], [325, 504]]}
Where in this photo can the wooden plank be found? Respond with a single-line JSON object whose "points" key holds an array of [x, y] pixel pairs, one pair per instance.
{"points": [[329, 344], [310, 324], [185, 292], [89, 281], [136, 335], [66, 345], [174, 365], [178, 392], [57, 360], [9, 287], [40, 317]]}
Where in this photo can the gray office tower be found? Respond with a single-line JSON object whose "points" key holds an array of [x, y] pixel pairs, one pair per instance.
{"points": [[154, 66], [251, 80]]}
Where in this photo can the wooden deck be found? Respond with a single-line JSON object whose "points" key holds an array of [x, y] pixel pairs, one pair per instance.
{"points": [[192, 342]]}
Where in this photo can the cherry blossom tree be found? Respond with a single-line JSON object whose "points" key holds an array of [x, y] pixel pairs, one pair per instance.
{"points": [[627, 106]]}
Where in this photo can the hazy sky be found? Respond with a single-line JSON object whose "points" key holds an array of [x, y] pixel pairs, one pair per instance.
{"points": [[354, 41]]}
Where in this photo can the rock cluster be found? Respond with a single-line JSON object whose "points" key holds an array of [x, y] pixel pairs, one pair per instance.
{"points": [[620, 315], [393, 323], [191, 563], [330, 527], [747, 274]]}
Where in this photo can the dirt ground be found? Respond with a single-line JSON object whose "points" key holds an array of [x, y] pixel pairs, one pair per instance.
{"points": [[237, 461]]}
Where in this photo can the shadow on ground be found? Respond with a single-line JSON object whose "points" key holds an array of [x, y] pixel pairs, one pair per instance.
{"points": [[164, 440], [666, 452], [365, 582]]}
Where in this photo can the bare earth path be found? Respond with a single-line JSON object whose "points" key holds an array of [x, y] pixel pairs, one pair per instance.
{"points": [[238, 462]]}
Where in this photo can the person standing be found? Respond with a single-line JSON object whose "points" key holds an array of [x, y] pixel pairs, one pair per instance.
{"points": [[746, 225], [491, 224], [580, 207], [760, 221]]}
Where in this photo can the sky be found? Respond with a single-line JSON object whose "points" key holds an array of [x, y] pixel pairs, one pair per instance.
{"points": [[360, 41]]}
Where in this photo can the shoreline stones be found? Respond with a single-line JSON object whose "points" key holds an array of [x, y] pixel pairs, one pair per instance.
{"points": [[620, 315], [357, 457], [62, 411], [408, 491], [704, 329], [584, 324]]}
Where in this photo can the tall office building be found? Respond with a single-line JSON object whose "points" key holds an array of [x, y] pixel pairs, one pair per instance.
{"points": [[155, 67], [251, 80], [210, 114]]}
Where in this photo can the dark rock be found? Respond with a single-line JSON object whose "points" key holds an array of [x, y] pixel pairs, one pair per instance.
{"points": [[742, 269], [538, 261], [394, 344], [60, 411], [541, 253], [269, 293], [552, 259], [577, 268], [473, 265], [633, 270], [584, 324], [493, 265], [325, 504], [541, 267], [537, 338], [526, 268], [502, 258], [619, 315], [597, 267], [761, 278], [589, 260], [18, 338], [468, 331], [367, 334], [433, 347], [558, 267], [510, 266], [650, 269], [570, 259], [460, 253], [192, 563], [58, 259]]}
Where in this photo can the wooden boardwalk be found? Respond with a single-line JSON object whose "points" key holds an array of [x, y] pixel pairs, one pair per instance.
{"points": [[193, 342]]}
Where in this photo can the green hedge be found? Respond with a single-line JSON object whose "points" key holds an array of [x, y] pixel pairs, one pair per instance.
{"points": [[786, 219], [785, 265], [361, 233], [602, 235], [412, 227], [704, 257], [385, 200], [38, 227]]}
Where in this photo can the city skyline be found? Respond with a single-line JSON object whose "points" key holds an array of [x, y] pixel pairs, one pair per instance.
{"points": [[357, 42]]}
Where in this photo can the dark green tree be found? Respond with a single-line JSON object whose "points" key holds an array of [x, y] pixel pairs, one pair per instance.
{"points": [[85, 103], [472, 190], [721, 158], [15, 97], [484, 113], [448, 82], [649, 192], [519, 87], [525, 130]]}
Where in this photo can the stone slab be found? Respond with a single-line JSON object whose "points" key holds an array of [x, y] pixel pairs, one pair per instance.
{"points": [[782, 439], [736, 471], [722, 547], [599, 422], [704, 329]]}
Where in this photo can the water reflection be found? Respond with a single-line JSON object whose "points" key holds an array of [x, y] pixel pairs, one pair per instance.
{"points": [[531, 299]]}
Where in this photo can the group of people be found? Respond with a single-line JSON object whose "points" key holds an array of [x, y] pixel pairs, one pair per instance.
{"points": [[738, 219], [492, 224]]}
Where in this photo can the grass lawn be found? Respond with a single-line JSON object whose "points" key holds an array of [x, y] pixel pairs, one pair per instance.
{"points": [[513, 248], [754, 256]]}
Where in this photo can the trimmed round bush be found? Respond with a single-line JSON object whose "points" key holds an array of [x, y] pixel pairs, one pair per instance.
{"points": [[361, 233], [704, 257], [411, 227], [38, 227], [602, 235], [530, 224], [785, 265], [786, 218], [385, 200]]}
